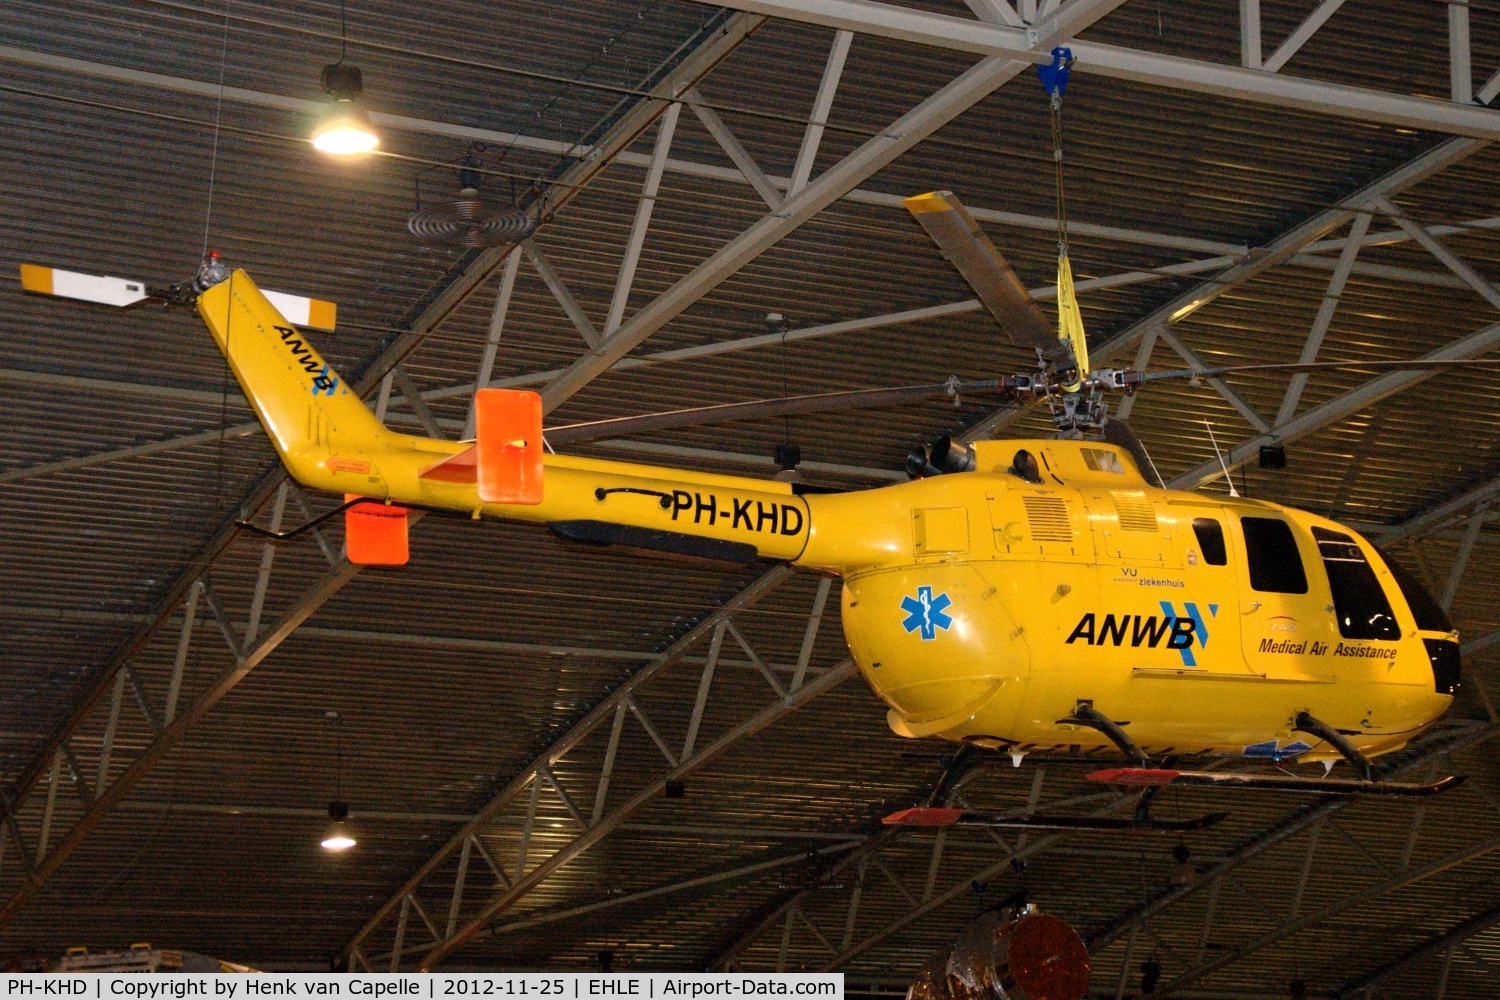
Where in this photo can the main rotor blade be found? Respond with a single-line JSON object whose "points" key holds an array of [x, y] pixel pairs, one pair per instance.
{"points": [[987, 271], [1416, 364], [822, 402]]}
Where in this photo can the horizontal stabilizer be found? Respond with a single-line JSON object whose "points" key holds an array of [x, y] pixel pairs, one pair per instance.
{"points": [[1145, 777], [460, 468], [83, 287]]}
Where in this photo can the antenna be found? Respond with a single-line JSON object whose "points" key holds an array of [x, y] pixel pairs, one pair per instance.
{"points": [[1232, 491]]}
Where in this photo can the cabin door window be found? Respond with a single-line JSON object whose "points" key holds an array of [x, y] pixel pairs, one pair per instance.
{"points": [[1285, 625]]}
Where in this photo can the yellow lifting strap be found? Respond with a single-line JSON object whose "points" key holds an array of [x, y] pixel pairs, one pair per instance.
{"points": [[1069, 319]]}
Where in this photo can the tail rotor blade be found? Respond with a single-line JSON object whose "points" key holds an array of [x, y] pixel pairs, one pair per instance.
{"points": [[987, 271], [83, 287]]}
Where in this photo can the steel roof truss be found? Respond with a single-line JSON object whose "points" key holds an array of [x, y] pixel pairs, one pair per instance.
{"points": [[812, 135], [492, 338], [1275, 252], [1291, 824], [625, 280], [753, 174], [166, 736], [1338, 408], [835, 182], [1460, 55], [561, 292], [653, 789], [678, 768], [1290, 927], [1449, 259], [692, 68], [1321, 321], [1255, 85], [614, 706]]}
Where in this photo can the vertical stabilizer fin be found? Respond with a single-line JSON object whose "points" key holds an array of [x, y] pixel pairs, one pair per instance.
{"points": [[304, 405]]}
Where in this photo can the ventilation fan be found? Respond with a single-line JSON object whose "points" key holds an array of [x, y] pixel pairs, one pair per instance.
{"points": [[469, 220]]}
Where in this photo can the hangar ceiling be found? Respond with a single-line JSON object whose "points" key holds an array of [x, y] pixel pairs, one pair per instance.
{"points": [[1236, 183]]}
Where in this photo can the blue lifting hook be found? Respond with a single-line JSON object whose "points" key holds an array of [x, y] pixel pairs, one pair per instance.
{"points": [[1055, 77]]}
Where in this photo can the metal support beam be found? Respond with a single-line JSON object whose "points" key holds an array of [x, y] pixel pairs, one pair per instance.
{"points": [[995, 12], [1443, 515], [531, 802], [1447, 941], [1467, 274], [107, 745], [741, 158], [705, 682], [721, 38], [1272, 254], [643, 209], [134, 451], [934, 863], [492, 339], [1300, 36], [400, 937], [1461, 560], [1137, 66], [1295, 821], [1454, 860], [1325, 314], [1250, 42], [614, 705], [561, 292], [838, 180], [262, 580], [52, 780], [1339, 407], [852, 916], [1234, 399], [958, 889], [812, 136], [1307, 863], [609, 762], [598, 831], [458, 889], [742, 871], [1490, 90], [171, 736], [1460, 64], [414, 399], [184, 641], [810, 637]]}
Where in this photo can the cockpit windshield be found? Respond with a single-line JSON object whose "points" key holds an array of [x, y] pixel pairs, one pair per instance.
{"points": [[1358, 600]]}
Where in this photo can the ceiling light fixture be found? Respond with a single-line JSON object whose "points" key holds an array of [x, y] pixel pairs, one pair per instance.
{"points": [[338, 836], [344, 127]]}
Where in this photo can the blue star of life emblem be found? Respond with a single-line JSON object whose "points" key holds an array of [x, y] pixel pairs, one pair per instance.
{"points": [[926, 612]]}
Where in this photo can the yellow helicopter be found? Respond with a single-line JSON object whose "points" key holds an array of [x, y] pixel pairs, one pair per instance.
{"points": [[1023, 595]]}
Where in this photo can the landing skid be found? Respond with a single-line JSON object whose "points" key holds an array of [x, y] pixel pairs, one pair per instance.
{"points": [[926, 816], [1143, 777]]}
